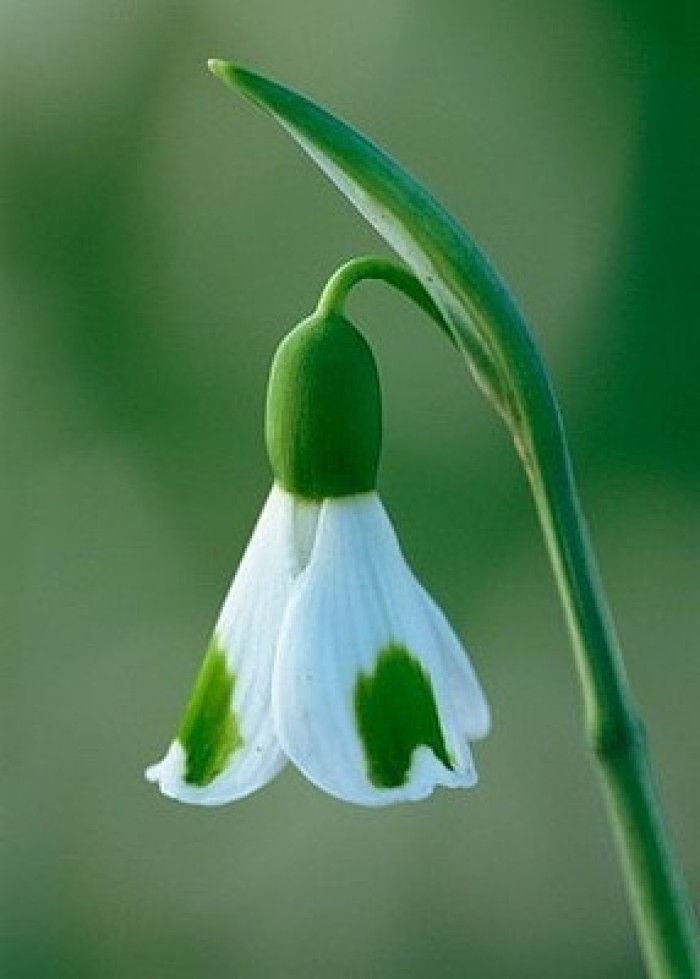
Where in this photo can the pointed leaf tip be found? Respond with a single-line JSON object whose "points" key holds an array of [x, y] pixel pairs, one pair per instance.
{"points": [[233, 75], [261, 91], [218, 67]]}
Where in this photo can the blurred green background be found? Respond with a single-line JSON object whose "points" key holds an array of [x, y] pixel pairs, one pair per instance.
{"points": [[156, 240]]}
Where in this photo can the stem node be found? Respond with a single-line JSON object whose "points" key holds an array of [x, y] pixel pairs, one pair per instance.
{"points": [[613, 739]]}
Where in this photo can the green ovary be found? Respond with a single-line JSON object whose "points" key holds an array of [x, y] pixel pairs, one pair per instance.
{"points": [[396, 713], [209, 732], [323, 420]]}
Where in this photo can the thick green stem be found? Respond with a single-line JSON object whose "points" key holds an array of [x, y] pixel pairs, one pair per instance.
{"points": [[658, 897], [660, 903]]}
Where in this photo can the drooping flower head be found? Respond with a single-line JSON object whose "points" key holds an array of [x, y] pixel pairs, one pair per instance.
{"points": [[327, 651]]}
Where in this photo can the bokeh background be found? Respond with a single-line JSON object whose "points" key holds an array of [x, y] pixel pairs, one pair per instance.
{"points": [[157, 239]]}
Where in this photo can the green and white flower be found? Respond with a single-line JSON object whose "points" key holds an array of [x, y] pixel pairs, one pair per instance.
{"points": [[327, 651]]}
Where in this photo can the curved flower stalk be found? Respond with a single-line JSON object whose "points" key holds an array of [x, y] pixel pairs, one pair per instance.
{"points": [[327, 651], [473, 306]]}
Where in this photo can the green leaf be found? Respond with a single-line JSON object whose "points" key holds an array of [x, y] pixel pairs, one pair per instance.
{"points": [[478, 310]]}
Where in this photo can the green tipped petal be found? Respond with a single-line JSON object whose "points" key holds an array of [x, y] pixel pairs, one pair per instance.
{"points": [[373, 697], [209, 732], [396, 713], [323, 422]]}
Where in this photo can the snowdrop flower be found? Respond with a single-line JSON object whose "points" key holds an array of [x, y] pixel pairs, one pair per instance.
{"points": [[327, 651]]}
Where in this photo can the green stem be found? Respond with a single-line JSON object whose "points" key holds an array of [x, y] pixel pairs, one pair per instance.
{"points": [[658, 896], [373, 267], [478, 356]]}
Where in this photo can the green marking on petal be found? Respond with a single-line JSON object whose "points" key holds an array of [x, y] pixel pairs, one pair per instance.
{"points": [[396, 712], [209, 731]]}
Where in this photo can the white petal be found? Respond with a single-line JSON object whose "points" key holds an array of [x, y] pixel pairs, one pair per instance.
{"points": [[356, 601], [246, 632]]}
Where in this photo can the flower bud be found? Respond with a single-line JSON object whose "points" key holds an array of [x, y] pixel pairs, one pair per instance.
{"points": [[323, 421]]}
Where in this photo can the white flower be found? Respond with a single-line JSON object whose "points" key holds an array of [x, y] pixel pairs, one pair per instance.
{"points": [[329, 653]]}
